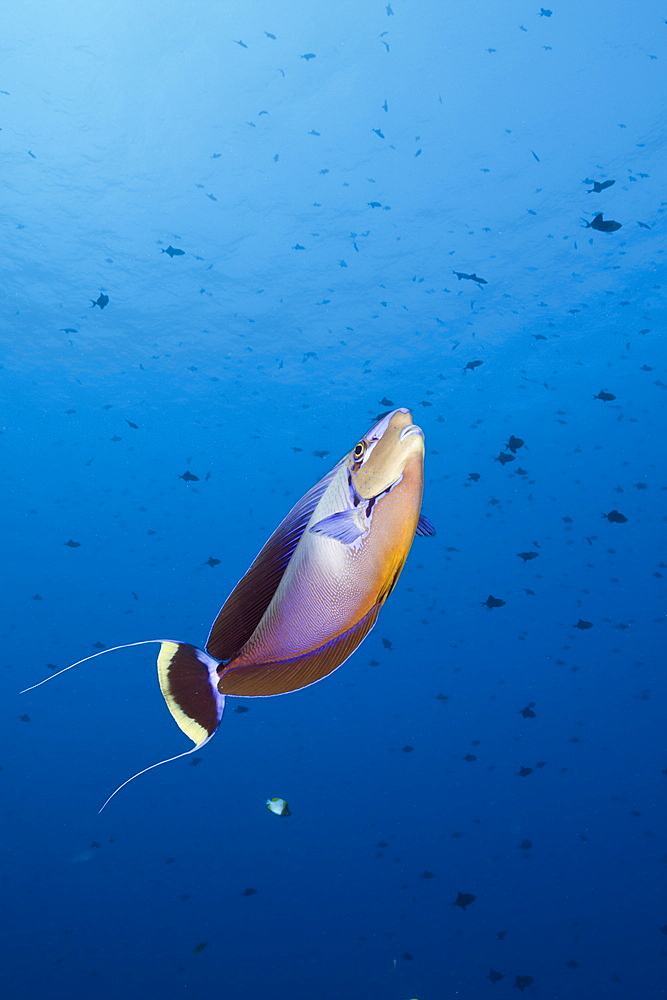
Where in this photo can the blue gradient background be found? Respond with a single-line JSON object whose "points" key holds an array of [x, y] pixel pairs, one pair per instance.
{"points": [[129, 127]]}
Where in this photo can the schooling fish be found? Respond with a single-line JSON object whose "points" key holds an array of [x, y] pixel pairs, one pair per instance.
{"points": [[602, 225], [314, 591]]}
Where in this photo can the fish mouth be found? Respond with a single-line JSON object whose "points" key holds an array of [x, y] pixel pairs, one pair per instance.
{"points": [[409, 431]]}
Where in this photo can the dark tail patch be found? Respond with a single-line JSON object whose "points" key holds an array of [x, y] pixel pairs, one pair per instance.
{"points": [[189, 682]]}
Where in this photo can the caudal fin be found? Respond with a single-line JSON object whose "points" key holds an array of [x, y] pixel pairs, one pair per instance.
{"points": [[189, 682]]}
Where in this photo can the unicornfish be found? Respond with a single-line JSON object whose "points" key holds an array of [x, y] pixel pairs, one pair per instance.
{"points": [[312, 594]]}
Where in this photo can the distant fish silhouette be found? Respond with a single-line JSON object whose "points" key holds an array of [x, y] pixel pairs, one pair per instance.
{"points": [[514, 444], [503, 458], [189, 478], [527, 712], [600, 186], [527, 556], [464, 899], [307, 56], [606, 397], [494, 976], [470, 367], [470, 277], [102, 300], [602, 226], [493, 602], [583, 625], [521, 982], [173, 251], [615, 517]]}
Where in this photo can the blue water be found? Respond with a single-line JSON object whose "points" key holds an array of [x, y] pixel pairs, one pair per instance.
{"points": [[322, 205]]}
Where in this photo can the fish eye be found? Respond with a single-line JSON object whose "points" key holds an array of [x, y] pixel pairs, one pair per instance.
{"points": [[359, 450]]}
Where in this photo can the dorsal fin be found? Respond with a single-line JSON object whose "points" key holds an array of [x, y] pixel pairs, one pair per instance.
{"points": [[244, 608]]}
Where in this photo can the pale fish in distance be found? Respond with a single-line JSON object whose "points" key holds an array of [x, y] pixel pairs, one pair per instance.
{"points": [[314, 591]]}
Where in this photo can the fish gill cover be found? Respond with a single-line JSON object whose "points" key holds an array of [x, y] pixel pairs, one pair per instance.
{"points": [[233, 236]]}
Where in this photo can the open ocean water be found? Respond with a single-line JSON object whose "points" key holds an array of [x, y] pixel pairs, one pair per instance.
{"points": [[233, 234]]}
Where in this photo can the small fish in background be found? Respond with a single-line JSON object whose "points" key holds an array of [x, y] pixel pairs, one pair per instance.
{"points": [[278, 806], [493, 602], [602, 225], [606, 397], [312, 594], [173, 251], [102, 300], [461, 275], [615, 517], [599, 186], [514, 444]]}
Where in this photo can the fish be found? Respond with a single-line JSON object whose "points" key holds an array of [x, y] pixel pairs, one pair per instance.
{"points": [[470, 277], [173, 251], [102, 300], [490, 602], [514, 444], [615, 517], [606, 397], [278, 806], [311, 595], [602, 225], [599, 186]]}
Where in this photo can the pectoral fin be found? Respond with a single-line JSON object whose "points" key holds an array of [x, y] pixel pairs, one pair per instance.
{"points": [[345, 525], [424, 526]]}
